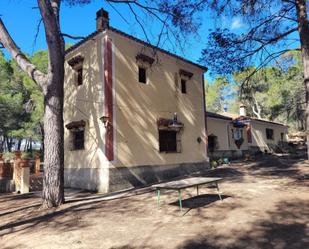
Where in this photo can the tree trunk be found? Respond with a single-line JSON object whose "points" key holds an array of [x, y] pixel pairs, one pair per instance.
{"points": [[52, 87], [42, 138], [53, 184], [19, 143], [303, 29], [9, 144], [30, 145], [26, 144], [2, 141], [258, 110]]}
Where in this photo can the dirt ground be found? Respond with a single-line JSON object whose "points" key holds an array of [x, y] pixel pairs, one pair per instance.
{"points": [[265, 205]]}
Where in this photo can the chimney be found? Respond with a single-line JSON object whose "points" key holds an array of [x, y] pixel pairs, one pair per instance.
{"points": [[225, 107], [242, 110], [102, 20]]}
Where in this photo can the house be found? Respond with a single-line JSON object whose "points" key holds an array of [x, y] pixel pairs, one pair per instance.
{"points": [[221, 130], [233, 136], [133, 113]]}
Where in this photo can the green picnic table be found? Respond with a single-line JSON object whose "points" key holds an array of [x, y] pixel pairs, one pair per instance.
{"points": [[179, 185]]}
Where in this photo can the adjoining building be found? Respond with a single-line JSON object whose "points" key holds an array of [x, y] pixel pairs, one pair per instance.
{"points": [[134, 113], [233, 136]]}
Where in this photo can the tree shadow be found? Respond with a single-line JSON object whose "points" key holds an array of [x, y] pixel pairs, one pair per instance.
{"points": [[109, 203], [19, 209], [285, 228], [15, 197]]}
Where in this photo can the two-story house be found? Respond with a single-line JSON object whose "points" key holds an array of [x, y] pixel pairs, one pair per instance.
{"points": [[133, 113]]}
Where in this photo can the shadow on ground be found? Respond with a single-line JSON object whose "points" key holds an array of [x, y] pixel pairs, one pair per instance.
{"points": [[199, 201], [286, 228]]}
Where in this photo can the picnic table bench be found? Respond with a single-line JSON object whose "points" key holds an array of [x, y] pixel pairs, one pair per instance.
{"points": [[179, 185]]}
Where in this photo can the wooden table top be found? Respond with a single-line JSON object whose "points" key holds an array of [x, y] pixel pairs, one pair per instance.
{"points": [[185, 183]]}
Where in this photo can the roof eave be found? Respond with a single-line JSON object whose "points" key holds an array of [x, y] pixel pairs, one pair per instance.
{"points": [[94, 34]]}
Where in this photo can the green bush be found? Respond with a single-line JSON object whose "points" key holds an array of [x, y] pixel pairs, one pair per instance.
{"points": [[213, 164], [8, 156]]}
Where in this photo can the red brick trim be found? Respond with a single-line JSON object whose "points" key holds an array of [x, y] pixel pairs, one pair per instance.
{"points": [[108, 98]]}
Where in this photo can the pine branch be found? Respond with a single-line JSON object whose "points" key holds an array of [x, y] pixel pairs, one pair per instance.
{"points": [[37, 33], [23, 62], [73, 37]]}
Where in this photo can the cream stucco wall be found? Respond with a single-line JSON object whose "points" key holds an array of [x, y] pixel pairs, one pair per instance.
{"points": [[85, 102], [223, 129], [219, 128], [259, 138], [138, 106], [136, 110]]}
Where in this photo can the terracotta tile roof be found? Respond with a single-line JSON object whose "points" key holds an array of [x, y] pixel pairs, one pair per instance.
{"points": [[218, 116], [236, 116], [92, 35], [267, 121], [76, 45], [230, 115]]}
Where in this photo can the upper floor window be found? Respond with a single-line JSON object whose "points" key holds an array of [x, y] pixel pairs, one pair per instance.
{"points": [[79, 76], [183, 86], [143, 61], [269, 134], [142, 75], [77, 65], [184, 77]]}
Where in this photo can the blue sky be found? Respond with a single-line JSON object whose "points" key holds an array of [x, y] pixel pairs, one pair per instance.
{"points": [[21, 18]]}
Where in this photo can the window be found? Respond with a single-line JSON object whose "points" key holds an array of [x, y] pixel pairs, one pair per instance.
{"points": [[183, 86], [78, 139], [167, 141], [282, 136], [79, 76], [269, 134], [142, 75], [212, 143]]}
